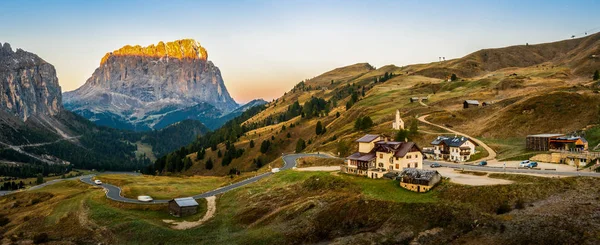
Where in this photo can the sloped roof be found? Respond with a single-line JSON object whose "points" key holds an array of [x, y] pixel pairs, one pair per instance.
{"points": [[545, 135], [472, 102], [364, 157], [367, 138], [419, 174], [186, 202], [455, 141], [399, 148]]}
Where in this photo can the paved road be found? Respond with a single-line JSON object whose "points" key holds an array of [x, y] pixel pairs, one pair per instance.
{"points": [[35, 187], [491, 152], [114, 192], [514, 170]]}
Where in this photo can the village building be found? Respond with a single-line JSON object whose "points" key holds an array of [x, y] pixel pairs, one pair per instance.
{"points": [[419, 180], [555, 142], [414, 99], [377, 156], [185, 206], [539, 142], [470, 103], [456, 149], [398, 124]]}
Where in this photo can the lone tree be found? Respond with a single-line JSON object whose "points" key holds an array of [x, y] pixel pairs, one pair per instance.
{"points": [[596, 75], [40, 179], [300, 145], [209, 164], [402, 135], [414, 127], [251, 143], [453, 77], [264, 146], [319, 129]]}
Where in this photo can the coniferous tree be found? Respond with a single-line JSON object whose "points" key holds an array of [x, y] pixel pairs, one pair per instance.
{"points": [[209, 164], [300, 145], [596, 75], [264, 146], [251, 143], [319, 128], [414, 127]]}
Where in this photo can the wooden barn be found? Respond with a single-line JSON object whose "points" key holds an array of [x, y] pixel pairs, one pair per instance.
{"points": [[470, 103], [185, 206], [540, 142]]}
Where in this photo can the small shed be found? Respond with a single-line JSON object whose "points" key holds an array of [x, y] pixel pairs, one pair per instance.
{"points": [[470, 103], [414, 99], [419, 180], [185, 206]]}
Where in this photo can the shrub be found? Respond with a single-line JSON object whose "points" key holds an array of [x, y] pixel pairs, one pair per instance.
{"points": [[596, 75], [300, 145], [503, 208], [40, 238]]}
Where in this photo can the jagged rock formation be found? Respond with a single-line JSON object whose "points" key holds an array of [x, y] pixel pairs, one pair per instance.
{"points": [[28, 84], [138, 87]]}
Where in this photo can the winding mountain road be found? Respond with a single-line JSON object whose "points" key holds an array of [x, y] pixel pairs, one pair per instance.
{"points": [[114, 192]]}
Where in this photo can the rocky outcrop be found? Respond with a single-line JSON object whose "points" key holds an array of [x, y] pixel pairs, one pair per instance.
{"points": [[28, 84], [140, 85]]}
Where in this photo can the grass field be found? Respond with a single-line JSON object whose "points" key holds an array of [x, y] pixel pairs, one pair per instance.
{"points": [[163, 187]]}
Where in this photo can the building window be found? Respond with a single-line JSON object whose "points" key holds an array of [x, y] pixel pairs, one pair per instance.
{"points": [[416, 165], [397, 166], [380, 155]]}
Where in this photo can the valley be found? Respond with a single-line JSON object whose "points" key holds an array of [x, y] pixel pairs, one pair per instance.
{"points": [[498, 147]]}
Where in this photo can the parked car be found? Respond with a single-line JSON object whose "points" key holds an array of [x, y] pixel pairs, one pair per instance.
{"points": [[482, 163], [435, 165], [275, 170], [97, 182], [532, 164], [145, 199], [524, 164]]}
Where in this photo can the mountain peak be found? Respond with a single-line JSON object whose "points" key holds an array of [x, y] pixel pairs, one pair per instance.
{"points": [[178, 49]]}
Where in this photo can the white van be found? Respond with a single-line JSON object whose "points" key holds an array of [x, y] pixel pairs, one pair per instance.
{"points": [[98, 182], [145, 198]]}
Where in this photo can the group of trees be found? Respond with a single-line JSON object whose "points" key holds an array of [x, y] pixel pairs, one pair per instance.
{"points": [[229, 132], [11, 185], [231, 153], [363, 123], [384, 78]]}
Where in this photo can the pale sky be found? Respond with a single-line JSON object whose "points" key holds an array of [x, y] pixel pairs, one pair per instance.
{"points": [[263, 48]]}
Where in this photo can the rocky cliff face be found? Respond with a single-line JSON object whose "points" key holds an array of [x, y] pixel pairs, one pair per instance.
{"points": [[28, 84], [140, 86]]}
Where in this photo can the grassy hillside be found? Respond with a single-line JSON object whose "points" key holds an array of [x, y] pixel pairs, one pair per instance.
{"points": [[314, 207], [541, 88]]}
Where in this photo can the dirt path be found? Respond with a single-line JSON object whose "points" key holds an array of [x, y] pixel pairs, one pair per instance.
{"points": [[211, 208], [491, 152]]}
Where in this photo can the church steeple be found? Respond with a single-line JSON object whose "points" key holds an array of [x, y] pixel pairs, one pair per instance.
{"points": [[398, 123]]}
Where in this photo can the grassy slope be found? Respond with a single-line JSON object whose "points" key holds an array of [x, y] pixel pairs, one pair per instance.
{"points": [[310, 207], [163, 187]]}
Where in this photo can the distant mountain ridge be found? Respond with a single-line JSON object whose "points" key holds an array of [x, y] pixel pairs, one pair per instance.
{"points": [[144, 88], [28, 84], [37, 135], [581, 55]]}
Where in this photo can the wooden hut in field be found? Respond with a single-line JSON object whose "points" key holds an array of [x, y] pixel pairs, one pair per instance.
{"points": [[185, 206]]}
